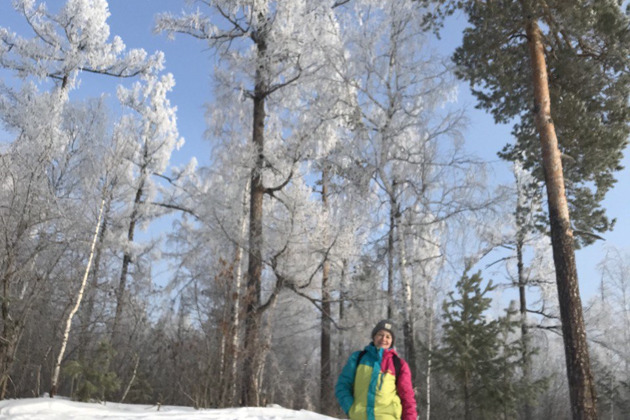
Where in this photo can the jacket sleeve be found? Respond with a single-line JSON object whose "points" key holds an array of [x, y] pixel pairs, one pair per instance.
{"points": [[406, 393], [345, 383]]}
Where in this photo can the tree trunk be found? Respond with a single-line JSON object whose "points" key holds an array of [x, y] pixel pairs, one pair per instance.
{"points": [[581, 386], [84, 339], [253, 317], [223, 351], [390, 253], [133, 378], [522, 282], [326, 385], [427, 392], [467, 405], [235, 314], [408, 328], [122, 283], [79, 297], [341, 350]]}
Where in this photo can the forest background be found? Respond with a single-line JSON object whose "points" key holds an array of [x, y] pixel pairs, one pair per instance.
{"points": [[161, 293]]}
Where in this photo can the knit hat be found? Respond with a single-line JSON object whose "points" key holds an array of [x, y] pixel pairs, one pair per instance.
{"points": [[385, 325]]}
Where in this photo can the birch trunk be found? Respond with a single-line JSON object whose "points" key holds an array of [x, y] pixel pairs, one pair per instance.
{"points": [[79, 297], [223, 349], [390, 257], [236, 306], [408, 329], [91, 293], [581, 385], [133, 378]]}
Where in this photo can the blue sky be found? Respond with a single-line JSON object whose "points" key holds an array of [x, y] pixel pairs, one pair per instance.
{"points": [[190, 62]]}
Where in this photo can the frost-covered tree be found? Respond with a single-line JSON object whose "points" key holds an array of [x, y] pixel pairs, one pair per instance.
{"points": [[45, 68], [77, 301], [608, 324], [151, 132], [524, 257], [66, 43], [528, 264], [271, 58], [407, 146]]}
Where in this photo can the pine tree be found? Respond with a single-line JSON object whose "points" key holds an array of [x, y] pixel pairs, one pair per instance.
{"points": [[560, 70], [476, 352], [586, 47], [94, 379]]}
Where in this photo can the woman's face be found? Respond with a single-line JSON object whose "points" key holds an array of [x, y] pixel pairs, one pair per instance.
{"points": [[382, 339]]}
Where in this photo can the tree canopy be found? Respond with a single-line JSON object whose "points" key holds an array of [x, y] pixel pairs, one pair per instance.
{"points": [[588, 56]]}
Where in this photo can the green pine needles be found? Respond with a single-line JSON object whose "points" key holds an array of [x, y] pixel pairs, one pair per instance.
{"points": [[94, 379], [587, 48], [482, 357]]}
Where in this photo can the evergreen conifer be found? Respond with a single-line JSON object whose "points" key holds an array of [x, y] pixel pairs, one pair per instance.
{"points": [[480, 355]]}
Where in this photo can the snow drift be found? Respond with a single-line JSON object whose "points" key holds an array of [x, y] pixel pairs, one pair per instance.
{"points": [[62, 409]]}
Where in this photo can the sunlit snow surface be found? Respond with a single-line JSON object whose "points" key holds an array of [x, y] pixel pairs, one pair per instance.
{"points": [[61, 409]]}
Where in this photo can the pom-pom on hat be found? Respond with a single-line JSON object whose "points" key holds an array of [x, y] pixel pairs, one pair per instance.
{"points": [[385, 325]]}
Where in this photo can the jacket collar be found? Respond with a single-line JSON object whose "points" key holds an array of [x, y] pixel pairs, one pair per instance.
{"points": [[379, 353]]}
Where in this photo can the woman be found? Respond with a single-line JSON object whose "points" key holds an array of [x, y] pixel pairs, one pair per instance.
{"points": [[375, 384]]}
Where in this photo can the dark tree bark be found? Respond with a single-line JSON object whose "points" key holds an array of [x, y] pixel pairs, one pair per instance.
{"points": [[341, 348], [253, 316], [124, 272], [326, 383]]}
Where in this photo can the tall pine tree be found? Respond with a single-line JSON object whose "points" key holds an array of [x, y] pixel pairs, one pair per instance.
{"points": [[560, 69]]}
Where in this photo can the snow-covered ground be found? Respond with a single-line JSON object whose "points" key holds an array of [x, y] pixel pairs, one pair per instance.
{"points": [[62, 409]]}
